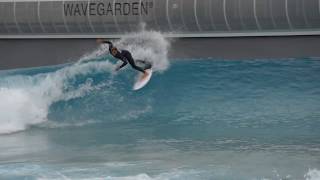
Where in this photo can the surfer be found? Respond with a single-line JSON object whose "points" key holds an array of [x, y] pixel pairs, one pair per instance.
{"points": [[123, 55]]}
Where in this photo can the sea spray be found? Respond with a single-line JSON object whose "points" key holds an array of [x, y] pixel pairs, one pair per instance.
{"points": [[26, 99], [150, 46], [312, 174]]}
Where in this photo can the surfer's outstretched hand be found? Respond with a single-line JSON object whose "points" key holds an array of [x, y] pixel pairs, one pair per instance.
{"points": [[99, 40], [117, 68]]}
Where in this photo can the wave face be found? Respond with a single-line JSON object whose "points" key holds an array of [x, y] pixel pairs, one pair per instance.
{"points": [[198, 119]]}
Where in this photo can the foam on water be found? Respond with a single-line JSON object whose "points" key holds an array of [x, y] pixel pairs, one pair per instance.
{"points": [[39, 172], [312, 174], [26, 99]]}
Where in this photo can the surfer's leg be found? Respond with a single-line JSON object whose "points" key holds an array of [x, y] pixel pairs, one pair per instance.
{"points": [[147, 65], [140, 61], [133, 64]]}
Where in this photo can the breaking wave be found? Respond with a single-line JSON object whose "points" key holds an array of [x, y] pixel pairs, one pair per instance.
{"points": [[26, 97]]}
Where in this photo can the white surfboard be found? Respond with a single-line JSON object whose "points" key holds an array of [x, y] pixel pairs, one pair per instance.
{"points": [[142, 80]]}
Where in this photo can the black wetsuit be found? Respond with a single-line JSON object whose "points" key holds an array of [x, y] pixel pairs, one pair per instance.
{"points": [[125, 56]]}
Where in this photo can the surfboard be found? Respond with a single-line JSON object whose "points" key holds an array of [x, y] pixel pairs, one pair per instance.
{"points": [[142, 80]]}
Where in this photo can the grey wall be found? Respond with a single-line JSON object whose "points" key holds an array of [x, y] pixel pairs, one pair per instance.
{"points": [[109, 17], [17, 53]]}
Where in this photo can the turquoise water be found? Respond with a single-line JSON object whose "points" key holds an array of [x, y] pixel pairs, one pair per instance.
{"points": [[198, 119]]}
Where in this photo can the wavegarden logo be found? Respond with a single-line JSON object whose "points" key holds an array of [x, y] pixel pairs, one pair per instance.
{"points": [[107, 8]]}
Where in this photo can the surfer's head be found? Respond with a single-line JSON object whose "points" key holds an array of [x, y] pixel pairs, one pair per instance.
{"points": [[114, 51]]}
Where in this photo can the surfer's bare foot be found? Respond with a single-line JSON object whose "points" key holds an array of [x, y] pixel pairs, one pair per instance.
{"points": [[145, 74]]}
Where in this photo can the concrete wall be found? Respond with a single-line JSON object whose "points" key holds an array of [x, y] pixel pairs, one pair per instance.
{"points": [[17, 53]]}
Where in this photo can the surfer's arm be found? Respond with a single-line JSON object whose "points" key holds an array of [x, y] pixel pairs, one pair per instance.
{"points": [[107, 42], [122, 65], [102, 41], [110, 45]]}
